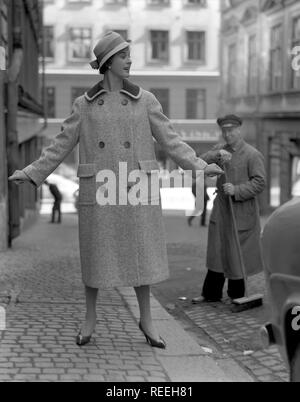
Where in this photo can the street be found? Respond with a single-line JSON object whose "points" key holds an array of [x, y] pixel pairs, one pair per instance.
{"points": [[42, 293], [235, 334]]}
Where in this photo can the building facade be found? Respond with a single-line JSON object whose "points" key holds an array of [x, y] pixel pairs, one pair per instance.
{"points": [[260, 81], [20, 110], [174, 55]]}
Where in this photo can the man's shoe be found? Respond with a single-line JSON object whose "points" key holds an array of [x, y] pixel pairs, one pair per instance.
{"points": [[201, 299]]}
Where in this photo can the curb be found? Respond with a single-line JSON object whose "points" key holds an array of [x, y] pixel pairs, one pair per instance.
{"points": [[184, 360]]}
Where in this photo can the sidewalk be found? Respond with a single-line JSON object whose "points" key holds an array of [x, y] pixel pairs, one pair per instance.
{"points": [[41, 290]]}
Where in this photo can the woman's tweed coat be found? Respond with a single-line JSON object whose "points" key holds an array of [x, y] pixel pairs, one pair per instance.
{"points": [[246, 171], [120, 245]]}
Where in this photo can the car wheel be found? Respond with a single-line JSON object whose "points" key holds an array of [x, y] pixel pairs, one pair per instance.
{"points": [[295, 366]]}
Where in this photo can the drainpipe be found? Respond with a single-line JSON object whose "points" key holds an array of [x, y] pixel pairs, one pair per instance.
{"points": [[12, 108]]}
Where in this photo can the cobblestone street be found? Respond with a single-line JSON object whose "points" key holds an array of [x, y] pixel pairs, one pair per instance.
{"points": [[42, 293], [233, 334]]}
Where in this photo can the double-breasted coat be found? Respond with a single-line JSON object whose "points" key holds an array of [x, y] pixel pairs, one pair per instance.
{"points": [[246, 171], [120, 245]]}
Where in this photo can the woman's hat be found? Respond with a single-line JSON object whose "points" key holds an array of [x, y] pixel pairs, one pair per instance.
{"points": [[110, 44]]}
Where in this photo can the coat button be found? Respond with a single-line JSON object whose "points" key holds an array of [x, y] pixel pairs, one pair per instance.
{"points": [[124, 102], [100, 102], [127, 144], [101, 144]]}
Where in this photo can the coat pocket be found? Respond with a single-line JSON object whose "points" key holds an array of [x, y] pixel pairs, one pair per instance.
{"points": [[87, 184]]}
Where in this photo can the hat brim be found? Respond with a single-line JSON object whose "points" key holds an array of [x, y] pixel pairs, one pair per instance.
{"points": [[95, 63], [229, 125]]}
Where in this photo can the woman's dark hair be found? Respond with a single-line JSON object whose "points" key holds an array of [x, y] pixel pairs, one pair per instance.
{"points": [[104, 68]]}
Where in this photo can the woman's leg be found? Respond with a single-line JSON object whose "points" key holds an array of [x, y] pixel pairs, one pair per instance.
{"points": [[90, 318], [143, 298]]}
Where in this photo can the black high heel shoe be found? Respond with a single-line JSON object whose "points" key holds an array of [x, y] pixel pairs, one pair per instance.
{"points": [[153, 342], [82, 340]]}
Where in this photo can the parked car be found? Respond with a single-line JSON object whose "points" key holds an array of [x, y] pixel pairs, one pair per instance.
{"points": [[281, 251]]}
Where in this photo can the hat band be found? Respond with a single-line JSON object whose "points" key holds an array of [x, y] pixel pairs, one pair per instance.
{"points": [[111, 53]]}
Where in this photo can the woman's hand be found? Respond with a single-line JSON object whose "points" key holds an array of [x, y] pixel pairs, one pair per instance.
{"points": [[19, 177], [213, 170], [224, 156]]}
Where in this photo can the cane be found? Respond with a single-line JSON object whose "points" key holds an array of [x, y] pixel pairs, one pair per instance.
{"points": [[246, 302]]}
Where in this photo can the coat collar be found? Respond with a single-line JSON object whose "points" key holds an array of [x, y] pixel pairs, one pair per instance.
{"points": [[129, 89]]}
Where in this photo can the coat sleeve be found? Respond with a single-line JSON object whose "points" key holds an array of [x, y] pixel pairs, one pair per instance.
{"points": [[58, 150], [257, 179], [165, 135]]}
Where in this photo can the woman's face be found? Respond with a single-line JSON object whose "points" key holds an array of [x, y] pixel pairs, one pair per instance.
{"points": [[121, 63]]}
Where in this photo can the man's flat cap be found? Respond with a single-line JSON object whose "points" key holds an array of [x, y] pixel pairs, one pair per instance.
{"points": [[230, 121]]}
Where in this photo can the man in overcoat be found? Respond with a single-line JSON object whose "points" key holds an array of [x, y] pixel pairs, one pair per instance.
{"points": [[246, 179]]}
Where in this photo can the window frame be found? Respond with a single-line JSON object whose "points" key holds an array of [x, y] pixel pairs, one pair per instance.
{"points": [[69, 50], [189, 100], [161, 61]]}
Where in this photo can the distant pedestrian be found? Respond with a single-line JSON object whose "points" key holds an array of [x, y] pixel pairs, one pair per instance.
{"points": [[115, 121], [246, 180], [195, 212], [57, 201]]}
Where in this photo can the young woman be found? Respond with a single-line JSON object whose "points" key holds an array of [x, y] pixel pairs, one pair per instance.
{"points": [[113, 122]]}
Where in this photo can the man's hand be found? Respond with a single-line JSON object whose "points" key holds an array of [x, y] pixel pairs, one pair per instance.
{"points": [[19, 177], [224, 156], [213, 170], [228, 188]]}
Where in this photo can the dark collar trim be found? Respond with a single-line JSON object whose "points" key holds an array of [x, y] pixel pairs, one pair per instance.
{"points": [[92, 93], [129, 89]]}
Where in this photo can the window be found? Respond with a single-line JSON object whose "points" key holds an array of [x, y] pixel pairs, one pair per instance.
{"points": [[80, 42], [162, 95], [195, 104], [50, 102], [78, 1], [49, 42], [276, 58], [196, 46], [295, 75], [201, 3], [252, 66], [158, 2], [115, 2], [232, 70], [76, 92], [159, 45]]}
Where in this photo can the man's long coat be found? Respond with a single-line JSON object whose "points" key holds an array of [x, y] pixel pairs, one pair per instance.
{"points": [[246, 171], [120, 245]]}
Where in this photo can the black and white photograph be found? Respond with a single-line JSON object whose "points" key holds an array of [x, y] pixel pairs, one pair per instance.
{"points": [[150, 194]]}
